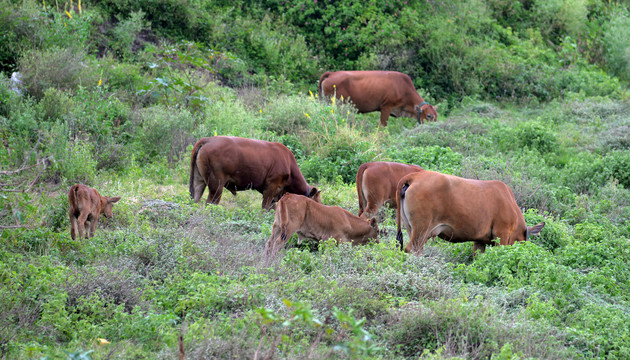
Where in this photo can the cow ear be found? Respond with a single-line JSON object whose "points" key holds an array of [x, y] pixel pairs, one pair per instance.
{"points": [[113, 199], [373, 223], [535, 230], [314, 191]]}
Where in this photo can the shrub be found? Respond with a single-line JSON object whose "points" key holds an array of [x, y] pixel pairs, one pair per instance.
{"points": [[340, 160], [60, 68], [78, 164], [164, 132], [125, 33], [467, 329], [434, 158], [617, 40], [56, 104]]}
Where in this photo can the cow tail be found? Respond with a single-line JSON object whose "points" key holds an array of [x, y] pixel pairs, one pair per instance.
{"points": [[72, 196], [400, 198], [360, 188], [321, 80], [283, 217], [193, 165]]}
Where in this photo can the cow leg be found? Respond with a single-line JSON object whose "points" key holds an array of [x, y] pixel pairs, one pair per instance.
{"points": [[93, 225], [371, 208], [277, 241], [73, 226], [417, 239], [81, 224], [385, 115], [215, 189], [268, 194], [478, 248]]}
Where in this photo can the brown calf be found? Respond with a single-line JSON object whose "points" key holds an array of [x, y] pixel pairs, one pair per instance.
{"points": [[313, 220], [457, 210], [86, 205], [376, 185]]}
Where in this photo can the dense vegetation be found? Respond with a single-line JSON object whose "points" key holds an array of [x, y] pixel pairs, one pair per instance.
{"points": [[114, 93]]}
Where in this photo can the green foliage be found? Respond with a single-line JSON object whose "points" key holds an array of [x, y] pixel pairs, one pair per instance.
{"points": [[54, 67], [125, 33], [164, 132], [340, 161], [434, 158], [616, 36]]}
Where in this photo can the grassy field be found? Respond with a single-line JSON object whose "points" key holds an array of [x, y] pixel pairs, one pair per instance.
{"points": [[114, 95]]}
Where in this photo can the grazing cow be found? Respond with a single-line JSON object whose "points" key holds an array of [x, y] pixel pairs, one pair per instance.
{"points": [[243, 164], [376, 185], [457, 210], [86, 205], [390, 92], [317, 221]]}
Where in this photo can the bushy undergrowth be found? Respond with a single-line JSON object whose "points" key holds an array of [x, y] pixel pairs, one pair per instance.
{"points": [[114, 94]]}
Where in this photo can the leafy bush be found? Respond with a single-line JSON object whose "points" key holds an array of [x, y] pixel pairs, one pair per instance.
{"points": [[616, 36], [62, 68], [125, 33], [164, 133], [341, 160], [434, 158]]}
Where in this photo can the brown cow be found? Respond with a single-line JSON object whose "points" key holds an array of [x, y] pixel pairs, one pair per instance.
{"points": [[86, 205], [457, 210], [390, 92], [317, 221], [376, 185], [243, 164]]}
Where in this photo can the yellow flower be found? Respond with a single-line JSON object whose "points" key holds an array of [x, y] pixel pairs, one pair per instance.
{"points": [[100, 82], [341, 97], [307, 115], [215, 133], [260, 111], [101, 341], [79, 6], [69, 15], [332, 111], [311, 93]]}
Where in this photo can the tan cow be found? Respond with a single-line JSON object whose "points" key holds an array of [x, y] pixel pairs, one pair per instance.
{"points": [[86, 205], [390, 92], [316, 221], [376, 185], [245, 164], [457, 210]]}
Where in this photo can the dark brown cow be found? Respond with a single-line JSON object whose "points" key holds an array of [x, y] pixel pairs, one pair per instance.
{"points": [[376, 185], [457, 210], [390, 92], [244, 164], [317, 221], [86, 205]]}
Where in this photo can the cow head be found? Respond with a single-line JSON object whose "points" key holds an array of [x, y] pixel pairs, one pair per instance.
{"points": [[107, 205], [426, 111], [372, 234], [314, 194], [534, 230]]}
